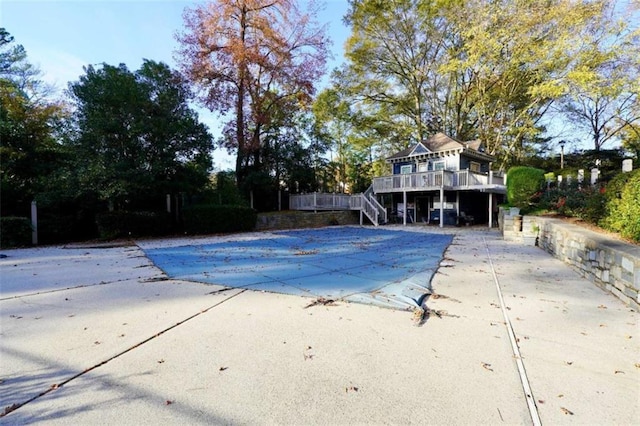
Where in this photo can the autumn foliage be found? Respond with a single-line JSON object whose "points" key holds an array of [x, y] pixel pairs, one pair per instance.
{"points": [[249, 59]]}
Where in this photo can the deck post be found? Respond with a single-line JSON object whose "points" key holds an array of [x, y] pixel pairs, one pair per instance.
{"points": [[442, 207], [404, 213]]}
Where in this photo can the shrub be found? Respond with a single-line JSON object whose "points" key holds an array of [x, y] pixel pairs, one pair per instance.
{"points": [[623, 205], [120, 224], [524, 184], [210, 219], [15, 232], [584, 202]]}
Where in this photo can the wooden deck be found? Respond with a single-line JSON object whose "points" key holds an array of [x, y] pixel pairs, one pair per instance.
{"points": [[442, 179]]}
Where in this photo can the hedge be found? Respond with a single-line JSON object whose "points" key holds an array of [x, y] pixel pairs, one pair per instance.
{"points": [[212, 219], [15, 232], [623, 205], [119, 224], [523, 185]]}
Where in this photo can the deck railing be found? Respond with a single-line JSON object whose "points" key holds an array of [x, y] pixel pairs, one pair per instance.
{"points": [[436, 179], [320, 201]]}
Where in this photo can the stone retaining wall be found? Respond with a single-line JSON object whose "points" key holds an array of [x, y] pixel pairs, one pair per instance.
{"points": [[611, 264], [302, 219]]}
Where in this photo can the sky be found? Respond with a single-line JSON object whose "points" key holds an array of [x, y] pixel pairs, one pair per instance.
{"points": [[61, 37]]}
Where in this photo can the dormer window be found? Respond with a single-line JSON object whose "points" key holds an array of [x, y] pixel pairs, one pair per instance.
{"points": [[474, 166]]}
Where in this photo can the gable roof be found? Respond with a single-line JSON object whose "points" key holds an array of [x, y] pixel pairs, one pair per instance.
{"points": [[419, 148], [442, 143]]}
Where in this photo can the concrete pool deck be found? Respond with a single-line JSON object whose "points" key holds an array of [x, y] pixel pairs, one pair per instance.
{"points": [[99, 335]]}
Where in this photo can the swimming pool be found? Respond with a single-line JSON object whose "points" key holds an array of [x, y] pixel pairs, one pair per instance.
{"points": [[385, 267]]}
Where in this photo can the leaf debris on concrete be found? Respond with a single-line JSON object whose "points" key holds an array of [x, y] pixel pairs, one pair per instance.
{"points": [[322, 301]]}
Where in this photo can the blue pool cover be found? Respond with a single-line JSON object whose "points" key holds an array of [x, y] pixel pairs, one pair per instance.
{"points": [[384, 267]]}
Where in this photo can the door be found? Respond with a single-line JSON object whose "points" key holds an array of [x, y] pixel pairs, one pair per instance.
{"points": [[422, 209]]}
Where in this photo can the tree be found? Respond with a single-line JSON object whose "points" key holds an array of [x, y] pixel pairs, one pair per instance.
{"points": [[393, 55], [355, 138], [135, 136], [29, 152], [602, 95], [247, 58], [471, 68]]}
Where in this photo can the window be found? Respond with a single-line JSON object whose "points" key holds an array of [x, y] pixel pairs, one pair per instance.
{"points": [[423, 167], [438, 165], [474, 167], [404, 170]]}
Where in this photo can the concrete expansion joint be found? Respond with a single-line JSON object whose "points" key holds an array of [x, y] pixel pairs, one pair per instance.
{"points": [[16, 406], [20, 296], [524, 380]]}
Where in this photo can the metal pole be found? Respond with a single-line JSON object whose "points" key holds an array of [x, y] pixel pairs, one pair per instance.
{"points": [[34, 223]]}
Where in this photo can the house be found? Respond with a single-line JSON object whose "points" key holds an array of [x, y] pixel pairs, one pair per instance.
{"points": [[439, 181], [441, 168]]}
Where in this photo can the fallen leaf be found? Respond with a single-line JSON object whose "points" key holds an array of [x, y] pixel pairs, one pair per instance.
{"points": [[54, 386], [618, 372], [11, 407], [351, 388], [160, 361], [566, 411], [321, 301], [96, 342], [602, 307], [486, 366], [222, 368], [541, 401], [168, 402], [568, 362]]}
